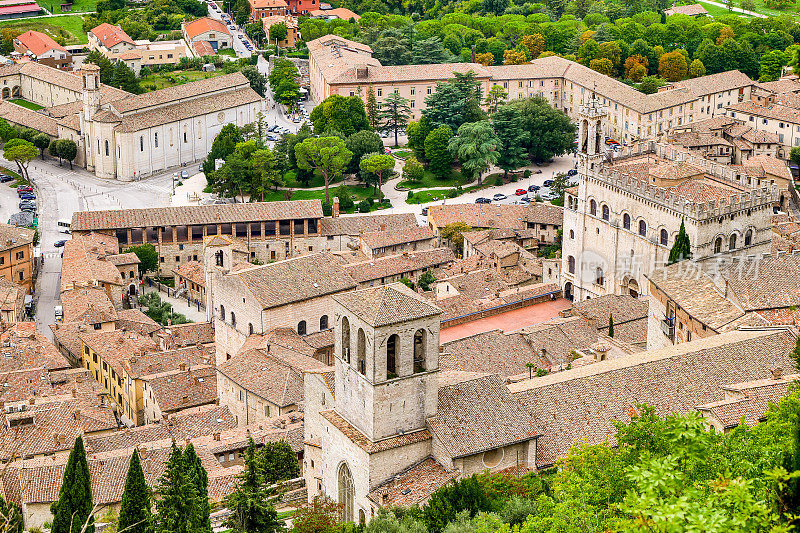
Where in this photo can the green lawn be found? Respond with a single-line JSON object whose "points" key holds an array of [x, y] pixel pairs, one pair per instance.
{"points": [[429, 180], [357, 193], [78, 6], [24, 103], [402, 153], [227, 52], [162, 80], [69, 27]]}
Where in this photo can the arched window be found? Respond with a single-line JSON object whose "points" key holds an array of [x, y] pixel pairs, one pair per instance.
{"points": [[593, 208], [718, 245], [571, 264], [361, 352], [106, 146], [599, 278], [323, 322], [222, 312], [626, 221], [732, 242], [748, 237], [155, 139], [571, 234], [250, 329], [141, 143], [391, 356], [346, 491], [643, 228], [233, 319], [345, 339], [606, 213], [664, 237], [419, 350], [301, 327]]}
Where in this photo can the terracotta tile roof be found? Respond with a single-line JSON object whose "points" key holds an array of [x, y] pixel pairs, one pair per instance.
{"points": [[136, 321], [361, 440], [118, 347], [409, 73], [287, 428], [128, 258], [188, 334], [22, 347], [265, 4], [179, 427], [85, 264], [203, 48], [296, 280], [414, 485], [630, 315], [193, 271], [193, 215], [492, 352], [339, 12], [747, 401], [16, 114], [382, 239], [583, 403], [183, 109], [156, 363], [110, 35], [715, 83], [12, 237], [38, 42], [320, 339], [89, 305], [181, 389], [778, 112], [196, 27], [12, 296], [393, 265], [388, 304], [465, 427], [765, 166], [359, 225]]}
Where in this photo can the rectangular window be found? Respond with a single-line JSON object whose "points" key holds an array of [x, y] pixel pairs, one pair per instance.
{"points": [[380, 92], [413, 91]]}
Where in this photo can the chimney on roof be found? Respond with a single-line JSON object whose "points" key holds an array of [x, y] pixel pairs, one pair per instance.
{"points": [[335, 207], [777, 373], [182, 366], [74, 393], [383, 227], [77, 414], [216, 436], [362, 72], [32, 401]]}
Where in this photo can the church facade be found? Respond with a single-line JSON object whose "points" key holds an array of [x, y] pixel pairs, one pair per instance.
{"points": [[121, 135]]}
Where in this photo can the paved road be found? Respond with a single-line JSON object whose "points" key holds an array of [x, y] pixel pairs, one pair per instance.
{"points": [[238, 44], [61, 192]]}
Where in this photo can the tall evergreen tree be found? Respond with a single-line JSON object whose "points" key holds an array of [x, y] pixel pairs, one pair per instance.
{"points": [[73, 510], [507, 123], [394, 114], [682, 248], [125, 78], [372, 109], [135, 514], [179, 508], [195, 468], [611, 325], [251, 503]]}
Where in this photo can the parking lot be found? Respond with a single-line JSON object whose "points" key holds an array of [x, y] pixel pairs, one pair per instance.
{"points": [[242, 44]]}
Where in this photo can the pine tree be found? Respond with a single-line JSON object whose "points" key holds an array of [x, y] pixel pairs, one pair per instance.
{"points": [[135, 513], [682, 249], [73, 510], [611, 325], [125, 78], [251, 502], [179, 508]]}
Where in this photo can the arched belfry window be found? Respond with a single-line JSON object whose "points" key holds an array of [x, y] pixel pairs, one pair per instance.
{"points": [[361, 350], [391, 356], [345, 339], [420, 338]]}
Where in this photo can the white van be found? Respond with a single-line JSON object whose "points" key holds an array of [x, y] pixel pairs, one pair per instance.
{"points": [[63, 225]]}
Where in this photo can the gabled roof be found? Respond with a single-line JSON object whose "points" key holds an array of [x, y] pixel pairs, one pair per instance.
{"points": [[38, 42], [196, 27], [110, 35], [388, 304]]}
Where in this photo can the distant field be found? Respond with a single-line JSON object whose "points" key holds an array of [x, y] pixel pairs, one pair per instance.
{"points": [[70, 27], [78, 6], [162, 80], [24, 103]]}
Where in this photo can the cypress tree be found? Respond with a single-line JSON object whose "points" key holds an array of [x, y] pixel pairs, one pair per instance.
{"points": [[135, 514], [251, 503], [179, 508], [278, 462], [681, 249], [611, 325], [200, 478], [74, 507]]}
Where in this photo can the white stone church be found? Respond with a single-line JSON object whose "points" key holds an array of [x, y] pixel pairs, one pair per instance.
{"points": [[121, 135], [387, 428]]}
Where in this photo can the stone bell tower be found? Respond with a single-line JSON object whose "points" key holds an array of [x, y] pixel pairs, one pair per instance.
{"points": [[591, 124], [90, 74]]}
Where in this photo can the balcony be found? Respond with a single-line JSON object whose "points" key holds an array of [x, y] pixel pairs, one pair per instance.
{"points": [[668, 328]]}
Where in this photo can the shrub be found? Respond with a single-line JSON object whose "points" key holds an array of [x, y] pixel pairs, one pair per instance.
{"points": [[410, 195], [327, 209], [452, 193], [513, 178], [527, 173], [364, 206], [498, 181]]}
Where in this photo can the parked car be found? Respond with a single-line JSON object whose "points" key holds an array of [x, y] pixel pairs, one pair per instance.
{"points": [[24, 188], [5, 178], [184, 174], [499, 196], [27, 205], [59, 244], [533, 188], [525, 199], [547, 183], [572, 172], [520, 192], [27, 196], [424, 211], [482, 201]]}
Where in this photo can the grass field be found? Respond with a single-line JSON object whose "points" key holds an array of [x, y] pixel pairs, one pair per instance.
{"points": [[429, 180], [24, 103], [78, 6], [356, 193], [69, 27], [161, 80]]}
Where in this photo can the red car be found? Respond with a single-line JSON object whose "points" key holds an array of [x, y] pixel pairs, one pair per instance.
{"points": [[521, 192], [24, 188]]}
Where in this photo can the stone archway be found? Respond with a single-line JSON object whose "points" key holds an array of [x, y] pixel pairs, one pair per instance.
{"points": [[6, 93], [16, 92], [568, 293]]}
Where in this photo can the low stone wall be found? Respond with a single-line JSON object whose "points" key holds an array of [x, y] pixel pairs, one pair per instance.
{"points": [[492, 311]]}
